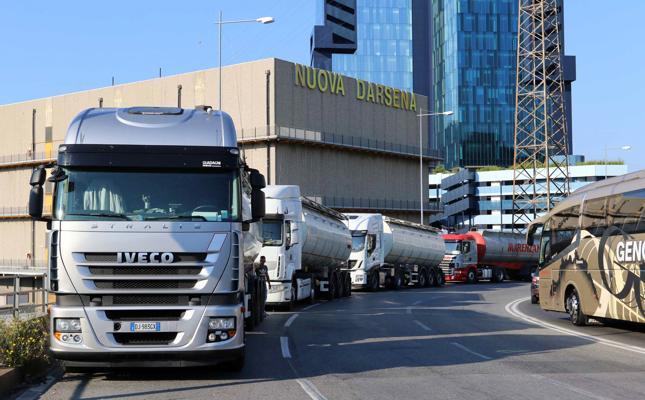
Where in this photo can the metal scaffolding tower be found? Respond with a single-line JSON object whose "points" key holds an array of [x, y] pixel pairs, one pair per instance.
{"points": [[540, 167]]}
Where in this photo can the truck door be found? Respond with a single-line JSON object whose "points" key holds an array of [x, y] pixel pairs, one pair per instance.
{"points": [[469, 250]]}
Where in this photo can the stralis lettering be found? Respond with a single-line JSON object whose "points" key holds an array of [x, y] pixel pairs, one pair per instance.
{"points": [[331, 82], [145, 258], [630, 251]]}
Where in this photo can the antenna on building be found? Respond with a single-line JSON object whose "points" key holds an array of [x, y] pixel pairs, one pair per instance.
{"points": [[159, 72], [540, 166], [113, 81]]}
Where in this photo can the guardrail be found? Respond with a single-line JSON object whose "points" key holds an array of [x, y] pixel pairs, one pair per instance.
{"points": [[21, 212], [331, 138], [16, 301], [27, 158]]}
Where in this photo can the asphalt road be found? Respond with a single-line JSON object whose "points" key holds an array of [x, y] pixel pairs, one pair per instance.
{"points": [[457, 342]]}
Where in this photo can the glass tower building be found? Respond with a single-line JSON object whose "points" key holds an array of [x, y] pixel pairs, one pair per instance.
{"points": [[459, 53], [384, 44]]}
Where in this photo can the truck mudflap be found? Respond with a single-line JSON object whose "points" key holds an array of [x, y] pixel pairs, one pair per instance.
{"points": [[131, 359]]}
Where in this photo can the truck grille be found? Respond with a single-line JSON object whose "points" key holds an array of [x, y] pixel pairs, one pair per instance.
{"points": [[144, 271], [111, 257], [446, 268], [149, 284], [145, 315], [149, 300], [145, 338]]}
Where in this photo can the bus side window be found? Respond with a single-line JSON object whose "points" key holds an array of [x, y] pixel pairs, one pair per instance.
{"points": [[626, 211], [561, 231]]}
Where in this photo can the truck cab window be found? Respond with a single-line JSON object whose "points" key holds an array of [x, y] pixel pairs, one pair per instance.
{"points": [[272, 232], [358, 241], [371, 243]]}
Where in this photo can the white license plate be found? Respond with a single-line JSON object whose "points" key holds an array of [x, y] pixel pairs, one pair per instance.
{"points": [[145, 326]]}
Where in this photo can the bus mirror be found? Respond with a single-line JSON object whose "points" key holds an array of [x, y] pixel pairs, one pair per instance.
{"points": [[530, 234], [37, 177]]}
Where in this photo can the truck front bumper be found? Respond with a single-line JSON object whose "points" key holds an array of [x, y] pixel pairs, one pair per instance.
{"points": [[458, 275], [109, 341]]}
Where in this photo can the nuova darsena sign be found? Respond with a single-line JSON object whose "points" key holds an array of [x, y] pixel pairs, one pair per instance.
{"points": [[331, 82]]}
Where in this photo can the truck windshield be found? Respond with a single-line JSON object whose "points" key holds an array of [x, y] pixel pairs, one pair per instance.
{"points": [[146, 195], [272, 232], [358, 241], [453, 247]]}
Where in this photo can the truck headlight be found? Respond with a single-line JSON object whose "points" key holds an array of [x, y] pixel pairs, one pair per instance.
{"points": [[67, 325], [68, 330], [221, 323]]}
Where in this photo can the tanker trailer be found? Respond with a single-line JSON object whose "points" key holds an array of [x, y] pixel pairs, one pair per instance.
{"points": [[490, 255], [393, 253], [306, 246]]}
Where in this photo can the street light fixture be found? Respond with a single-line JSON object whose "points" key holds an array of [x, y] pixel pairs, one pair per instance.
{"points": [[624, 148], [220, 22], [421, 115]]}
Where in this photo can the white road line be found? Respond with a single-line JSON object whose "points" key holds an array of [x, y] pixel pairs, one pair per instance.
{"points": [[422, 325], [310, 389], [512, 308], [311, 306], [284, 345], [290, 320], [466, 349]]}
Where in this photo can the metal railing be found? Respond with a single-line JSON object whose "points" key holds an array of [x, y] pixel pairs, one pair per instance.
{"points": [[21, 212], [27, 157], [19, 302], [331, 138], [375, 204]]}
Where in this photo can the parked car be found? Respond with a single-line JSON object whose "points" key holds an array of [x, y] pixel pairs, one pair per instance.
{"points": [[535, 288]]}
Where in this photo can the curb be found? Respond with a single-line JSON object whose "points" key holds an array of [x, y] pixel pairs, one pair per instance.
{"points": [[35, 392], [10, 378]]}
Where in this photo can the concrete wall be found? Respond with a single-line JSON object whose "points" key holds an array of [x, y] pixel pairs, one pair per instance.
{"points": [[262, 98]]}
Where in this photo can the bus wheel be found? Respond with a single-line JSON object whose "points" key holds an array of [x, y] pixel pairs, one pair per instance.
{"points": [[472, 276], [574, 308]]}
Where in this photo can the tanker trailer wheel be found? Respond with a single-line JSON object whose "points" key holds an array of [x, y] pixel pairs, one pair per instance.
{"points": [[348, 284], [423, 278], [331, 286], [441, 279], [432, 278], [472, 276], [397, 281]]}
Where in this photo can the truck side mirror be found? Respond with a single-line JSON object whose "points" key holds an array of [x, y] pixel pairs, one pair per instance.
{"points": [[36, 193], [36, 202], [258, 204], [257, 179]]}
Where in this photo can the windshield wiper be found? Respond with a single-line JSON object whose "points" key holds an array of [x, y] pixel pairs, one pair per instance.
{"points": [[199, 217], [102, 215]]}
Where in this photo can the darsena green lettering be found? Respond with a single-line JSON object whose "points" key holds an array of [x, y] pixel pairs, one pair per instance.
{"points": [[379, 94], [388, 96], [397, 94], [405, 100], [370, 92], [360, 89], [413, 102]]}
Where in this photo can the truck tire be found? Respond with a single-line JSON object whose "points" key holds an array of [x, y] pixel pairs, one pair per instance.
{"points": [[397, 281], [574, 308], [432, 278], [498, 275], [373, 281], [331, 286], [348, 284], [471, 276], [441, 279], [423, 278]]}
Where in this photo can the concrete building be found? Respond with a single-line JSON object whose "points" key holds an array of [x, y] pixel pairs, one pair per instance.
{"points": [[484, 199], [348, 143]]}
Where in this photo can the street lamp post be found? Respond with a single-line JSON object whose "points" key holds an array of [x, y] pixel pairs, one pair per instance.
{"points": [[421, 115], [625, 148], [220, 22]]}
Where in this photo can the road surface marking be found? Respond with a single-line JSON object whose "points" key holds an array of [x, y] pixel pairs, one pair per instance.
{"points": [[416, 303], [466, 349], [422, 325], [290, 320], [408, 310], [512, 308], [284, 345], [310, 389], [319, 345], [570, 387], [311, 306]]}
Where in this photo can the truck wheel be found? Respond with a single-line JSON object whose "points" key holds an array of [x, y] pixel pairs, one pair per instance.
{"points": [[498, 275], [574, 308], [331, 286], [373, 281], [423, 278], [397, 281], [472, 276], [441, 279], [348, 284], [432, 278]]}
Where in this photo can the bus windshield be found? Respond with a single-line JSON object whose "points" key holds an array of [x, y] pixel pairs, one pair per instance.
{"points": [[147, 195]]}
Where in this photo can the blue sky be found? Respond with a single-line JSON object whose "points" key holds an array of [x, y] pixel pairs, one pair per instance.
{"points": [[50, 48]]}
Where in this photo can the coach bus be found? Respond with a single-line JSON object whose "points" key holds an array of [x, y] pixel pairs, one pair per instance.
{"points": [[592, 252]]}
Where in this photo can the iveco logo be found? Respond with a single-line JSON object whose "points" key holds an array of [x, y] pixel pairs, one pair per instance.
{"points": [[144, 258]]}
